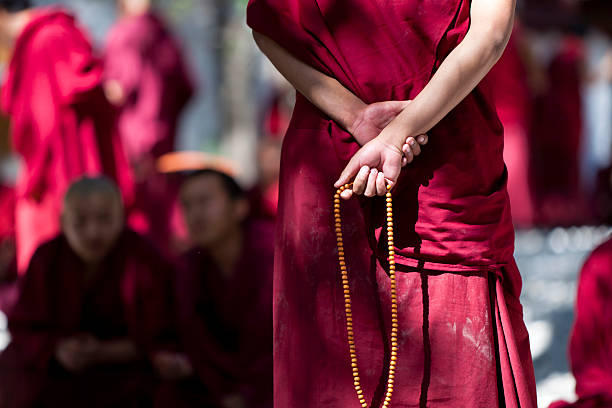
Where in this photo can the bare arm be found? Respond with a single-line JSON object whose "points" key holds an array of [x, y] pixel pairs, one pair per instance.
{"points": [[323, 91], [484, 43], [378, 162]]}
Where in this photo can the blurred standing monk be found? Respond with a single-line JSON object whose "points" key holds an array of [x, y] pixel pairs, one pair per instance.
{"points": [[92, 311], [61, 123], [462, 341], [144, 75]]}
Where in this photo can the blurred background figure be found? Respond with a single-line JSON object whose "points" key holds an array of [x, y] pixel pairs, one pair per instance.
{"points": [[93, 308], [146, 77], [61, 124], [591, 341], [224, 292]]}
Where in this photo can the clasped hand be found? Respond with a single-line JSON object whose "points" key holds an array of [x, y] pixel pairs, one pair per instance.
{"points": [[379, 161]]}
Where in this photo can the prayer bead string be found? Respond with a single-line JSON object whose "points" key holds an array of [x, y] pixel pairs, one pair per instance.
{"points": [[347, 298]]}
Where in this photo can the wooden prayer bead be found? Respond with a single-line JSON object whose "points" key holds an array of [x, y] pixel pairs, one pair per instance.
{"points": [[347, 296]]}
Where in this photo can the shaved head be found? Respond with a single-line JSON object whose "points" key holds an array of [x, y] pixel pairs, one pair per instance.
{"points": [[92, 217], [86, 186], [14, 5]]}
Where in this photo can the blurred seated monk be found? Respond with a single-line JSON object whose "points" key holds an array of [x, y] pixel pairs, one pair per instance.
{"points": [[91, 311], [591, 341], [224, 292]]}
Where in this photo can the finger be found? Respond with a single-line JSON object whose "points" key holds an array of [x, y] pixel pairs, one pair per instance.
{"points": [[416, 149], [404, 161], [423, 139], [359, 184], [346, 194], [370, 189], [381, 187], [408, 155], [348, 173]]}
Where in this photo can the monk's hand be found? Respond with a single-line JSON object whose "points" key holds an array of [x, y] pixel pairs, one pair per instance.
{"points": [[233, 401], [68, 352], [373, 118], [412, 148], [377, 164], [172, 366]]}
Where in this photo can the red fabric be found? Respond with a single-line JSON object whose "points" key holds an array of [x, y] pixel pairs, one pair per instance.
{"points": [[226, 324], [512, 100], [61, 124], [128, 298], [591, 341], [451, 212], [144, 58]]}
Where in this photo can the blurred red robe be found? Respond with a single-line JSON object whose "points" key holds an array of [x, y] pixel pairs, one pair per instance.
{"points": [[61, 123], [226, 323], [591, 342], [512, 99], [127, 298], [462, 338], [144, 58]]}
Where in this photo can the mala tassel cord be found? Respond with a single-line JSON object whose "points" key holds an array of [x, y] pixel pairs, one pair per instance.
{"points": [[347, 298]]}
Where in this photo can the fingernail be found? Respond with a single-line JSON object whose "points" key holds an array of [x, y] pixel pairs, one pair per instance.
{"points": [[421, 139], [411, 142]]}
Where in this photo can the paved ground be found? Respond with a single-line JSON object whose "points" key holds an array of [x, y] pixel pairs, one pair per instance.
{"points": [[549, 261]]}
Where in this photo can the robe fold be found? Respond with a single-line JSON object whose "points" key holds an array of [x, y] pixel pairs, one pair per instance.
{"points": [[590, 348], [226, 323], [128, 298], [61, 123], [462, 338]]}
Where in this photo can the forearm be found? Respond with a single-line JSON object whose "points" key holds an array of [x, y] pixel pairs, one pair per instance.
{"points": [[459, 74], [321, 90]]}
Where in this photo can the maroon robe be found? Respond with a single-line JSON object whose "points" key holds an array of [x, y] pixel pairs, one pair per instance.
{"points": [[127, 298], [144, 58], [462, 338], [591, 341], [226, 323], [61, 124]]}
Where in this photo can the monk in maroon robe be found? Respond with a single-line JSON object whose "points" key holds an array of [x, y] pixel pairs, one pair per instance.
{"points": [[462, 340], [224, 293], [146, 77], [91, 312], [591, 341], [61, 123]]}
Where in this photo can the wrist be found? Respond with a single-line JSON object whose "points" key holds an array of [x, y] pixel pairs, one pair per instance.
{"points": [[355, 117]]}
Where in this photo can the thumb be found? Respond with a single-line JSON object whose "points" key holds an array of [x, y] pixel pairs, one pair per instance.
{"points": [[391, 169], [348, 173]]}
